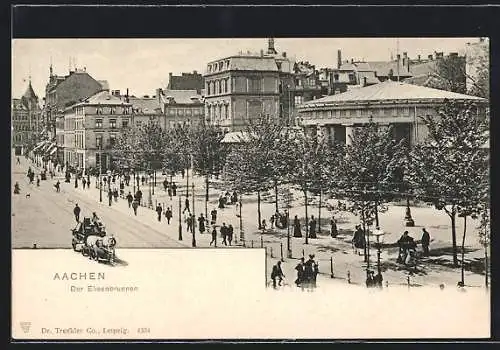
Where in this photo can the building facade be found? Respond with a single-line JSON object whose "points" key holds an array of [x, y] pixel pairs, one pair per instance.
{"points": [[387, 103], [181, 106], [26, 120], [91, 128], [186, 81]]}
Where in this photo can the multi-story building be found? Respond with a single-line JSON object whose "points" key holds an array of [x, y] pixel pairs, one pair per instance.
{"points": [[396, 103], [62, 92], [91, 128], [181, 106], [26, 120]]}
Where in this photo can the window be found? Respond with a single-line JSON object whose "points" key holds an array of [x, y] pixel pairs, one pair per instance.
{"points": [[98, 142], [112, 140], [364, 112], [112, 110], [387, 111], [343, 112], [217, 87], [353, 112], [125, 123], [208, 88], [220, 65], [336, 77], [298, 100], [209, 110], [138, 123], [112, 123], [99, 110], [98, 123], [188, 111], [179, 111], [209, 68], [254, 85], [226, 111]]}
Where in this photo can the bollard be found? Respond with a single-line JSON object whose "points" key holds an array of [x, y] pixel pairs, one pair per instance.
{"points": [[331, 267], [281, 251], [303, 253], [348, 276], [261, 241], [408, 281], [34, 245]]}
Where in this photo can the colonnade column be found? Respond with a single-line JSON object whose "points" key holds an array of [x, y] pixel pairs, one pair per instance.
{"points": [[349, 128]]}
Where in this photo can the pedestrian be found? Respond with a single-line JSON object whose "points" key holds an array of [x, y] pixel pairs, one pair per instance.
{"points": [[130, 198], [159, 211], [263, 226], [17, 189], [223, 232], [84, 182], [201, 224], [189, 222], [18, 161], [426, 238], [168, 215], [296, 227], [88, 181], [358, 239], [333, 227], [213, 215], [143, 180], [277, 273], [221, 202], [122, 188], [165, 184], [300, 272], [183, 173], [272, 220], [186, 204], [169, 191], [37, 181], [230, 233], [214, 237], [174, 189], [193, 223], [135, 205], [312, 227], [404, 243], [234, 198], [76, 211], [58, 186], [110, 196], [115, 194], [138, 196], [311, 271]]}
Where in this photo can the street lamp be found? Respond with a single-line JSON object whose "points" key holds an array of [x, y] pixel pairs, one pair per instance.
{"points": [[150, 199], [193, 218], [100, 187], [180, 224], [379, 235]]}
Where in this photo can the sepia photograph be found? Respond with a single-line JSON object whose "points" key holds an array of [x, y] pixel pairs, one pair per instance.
{"points": [[295, 170]]}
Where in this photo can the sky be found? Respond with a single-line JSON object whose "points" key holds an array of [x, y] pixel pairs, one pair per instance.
{"points": [[143, 65]]}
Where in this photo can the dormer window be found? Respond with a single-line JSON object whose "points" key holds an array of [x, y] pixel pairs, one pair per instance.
{"points": [[220, 65], [209, 68]]}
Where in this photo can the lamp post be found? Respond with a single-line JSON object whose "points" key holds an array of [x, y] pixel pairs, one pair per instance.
{"points": [[100, 187], [288, 245], [180, 223], [150, 199], [379, 234], [194, 218]]}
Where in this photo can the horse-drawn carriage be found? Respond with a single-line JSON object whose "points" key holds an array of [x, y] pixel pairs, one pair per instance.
{"points": [[90, 238]]}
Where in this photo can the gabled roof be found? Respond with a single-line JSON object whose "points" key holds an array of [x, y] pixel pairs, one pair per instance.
{"points": [[423, 68], [103, 98], [245, 62], [145, 105], [383, 68], [30, 93], [182, 96], [390, 90]]}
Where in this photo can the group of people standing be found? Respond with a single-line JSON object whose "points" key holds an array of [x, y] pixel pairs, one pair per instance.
{"points": [[307, 272]]}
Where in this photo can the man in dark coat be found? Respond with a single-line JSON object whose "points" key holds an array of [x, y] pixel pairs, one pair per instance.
{"points": [[138, 196], [296, 227], [135, 205], [58, 186], [165, 184], [221, 202], [333, 227], [426, 238], [230, 233], [404, 243], [311, 271], [168, 215], [84, 182], [110, 196], [130, 198], [214, 237], [201, 223], [277, 273], [76, 211], [300, 272], [223, 233], [159, 211], [213, 214], [186, 204], [174, 189]]}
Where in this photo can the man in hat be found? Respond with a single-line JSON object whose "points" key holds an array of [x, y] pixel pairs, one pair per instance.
{"points": [[310, 270], [300, 272], [277, 273]]}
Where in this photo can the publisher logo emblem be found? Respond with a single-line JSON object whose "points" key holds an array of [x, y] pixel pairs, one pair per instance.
{"points": [[25, 326]]}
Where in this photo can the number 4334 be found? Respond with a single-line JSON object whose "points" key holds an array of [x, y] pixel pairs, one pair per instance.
{"points": [[143, 330]]}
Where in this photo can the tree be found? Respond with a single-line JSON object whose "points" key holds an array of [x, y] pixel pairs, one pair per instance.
{"points": [[176, 150], [152, 142], [126, 151], [370, 174], [478, 78], [450, 74], [208, 153], [450, 168]]}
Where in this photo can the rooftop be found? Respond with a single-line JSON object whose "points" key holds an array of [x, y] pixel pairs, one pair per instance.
{"points": [[145, 105], [182, 96], [243, 62], [390, 91]]}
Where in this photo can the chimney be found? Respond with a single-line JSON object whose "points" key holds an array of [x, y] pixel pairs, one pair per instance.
{"points": [[195, 72], [430, 57], [352, 60], [418, 57], [126, 97], [405, 58], [284, 54], [339, 58], [439, 55]]}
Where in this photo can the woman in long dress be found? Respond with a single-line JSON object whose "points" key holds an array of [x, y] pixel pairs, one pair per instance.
{"points": [[296, 227]]}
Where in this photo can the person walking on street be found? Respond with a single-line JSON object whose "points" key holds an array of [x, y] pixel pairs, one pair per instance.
{"points": [[213, 215], [189, 221], [168, 215], [296, 227], [312, 227], [37, 181], [169, 191], [273, 217], [130, 198], [110, 196], [277, 273], [333, 227], [76, 211], [263, 226], [58, 186], [223, 232], [186, 204], [214, 237], [159, 211], [201, 224], [165, 184], [300, 272], [143, 180], [193, 223], [426, 238], [115, 194], [174, 189], [84, 182], [18, 161], [230, 233], [135, 205]]}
